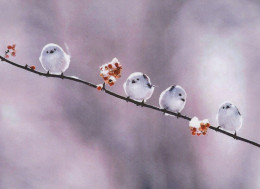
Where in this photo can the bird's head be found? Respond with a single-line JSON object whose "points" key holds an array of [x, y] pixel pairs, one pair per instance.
{"points": [[178, 92], [51, 50]]}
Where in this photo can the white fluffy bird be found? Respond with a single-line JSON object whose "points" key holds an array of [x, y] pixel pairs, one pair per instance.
{"points": [[138, 87], [229, 117], [173, 99], [53, 59]]}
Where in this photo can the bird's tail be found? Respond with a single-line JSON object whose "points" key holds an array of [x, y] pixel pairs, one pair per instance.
{"points": [[67, 49]]}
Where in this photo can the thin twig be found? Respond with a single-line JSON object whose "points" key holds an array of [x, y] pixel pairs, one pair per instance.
{"points": [[125, 98]]}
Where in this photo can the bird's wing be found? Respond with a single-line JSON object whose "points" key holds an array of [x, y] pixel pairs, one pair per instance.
{"points": [[238, 111], [149, 85]]}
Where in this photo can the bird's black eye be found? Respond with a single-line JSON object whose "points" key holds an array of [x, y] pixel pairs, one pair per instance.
{"points": [[54, 49], [137, 79], [223, 107], [180, 94], [47, 52]]}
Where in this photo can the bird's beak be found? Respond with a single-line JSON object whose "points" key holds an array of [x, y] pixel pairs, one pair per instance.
{"points": [[227, 107], [183, 99], [51, 51]]}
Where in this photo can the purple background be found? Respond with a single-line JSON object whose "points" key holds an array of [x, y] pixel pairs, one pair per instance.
{"points": [[61, 134]]}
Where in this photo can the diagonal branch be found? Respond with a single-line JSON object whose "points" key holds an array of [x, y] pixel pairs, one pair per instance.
{"points": [[178, 115]]}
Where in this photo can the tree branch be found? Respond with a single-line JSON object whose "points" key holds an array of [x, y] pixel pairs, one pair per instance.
{"points": [[125, 99]]}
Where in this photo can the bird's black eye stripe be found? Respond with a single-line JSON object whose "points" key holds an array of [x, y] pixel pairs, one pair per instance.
{"points": [[180, 94]]}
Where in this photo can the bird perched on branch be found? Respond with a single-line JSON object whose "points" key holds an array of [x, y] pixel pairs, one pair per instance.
{"points": [[173, 99], [229, 117], [53, 59], [138, 87]]}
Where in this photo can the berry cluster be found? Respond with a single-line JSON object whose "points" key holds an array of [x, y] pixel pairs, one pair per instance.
{"points": [[111, 71], [10, 49], [199, 127]]}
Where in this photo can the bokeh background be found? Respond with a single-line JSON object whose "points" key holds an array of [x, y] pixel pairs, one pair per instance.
{"points": [[62, 134]]}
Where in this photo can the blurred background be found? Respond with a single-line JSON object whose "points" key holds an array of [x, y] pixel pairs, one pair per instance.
{"points": [[60, 134]]}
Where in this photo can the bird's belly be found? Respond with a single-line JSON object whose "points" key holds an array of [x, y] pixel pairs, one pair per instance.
{"points": [[231, 123], [139, 93], [55, 64], [176, 105]]}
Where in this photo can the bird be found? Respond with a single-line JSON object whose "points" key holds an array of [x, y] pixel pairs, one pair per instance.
{"points": [[53, 59], [138, 87], [229, 117], [173, 99]]}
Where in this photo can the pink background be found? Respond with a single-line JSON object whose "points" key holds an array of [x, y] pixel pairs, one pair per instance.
{"points": [[61, 134]]}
